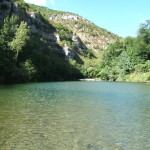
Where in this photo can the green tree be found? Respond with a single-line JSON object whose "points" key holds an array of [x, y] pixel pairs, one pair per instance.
{"points": [[30, 69], [21, 37], [142, 42], [8, 31]]}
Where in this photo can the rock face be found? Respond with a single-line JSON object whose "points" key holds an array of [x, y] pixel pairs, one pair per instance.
{"points": [[70, 16], [64, 17], [78, 43], [33, 28], [15, 8], [5, 6], [5, 10], [57, 38], [46, 36], [95, 38], [69, 53], [85, 35], [34, 15]]}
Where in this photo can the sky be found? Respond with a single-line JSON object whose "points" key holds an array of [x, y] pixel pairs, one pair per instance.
{"points": [[122, 17]]}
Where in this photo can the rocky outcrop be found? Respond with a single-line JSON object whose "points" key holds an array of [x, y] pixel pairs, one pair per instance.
{"points": [[51, 37], [64, 17], [33, 28], [70, 16], [34, 15], [5, 7], [69, 53], [15, 8], [94, 37], [52, 18], [78, 43], [85, 35], [46, 36], [57, 38], [5, 10]]}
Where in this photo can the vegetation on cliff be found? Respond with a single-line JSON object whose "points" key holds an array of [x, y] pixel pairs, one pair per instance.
{"points": [[39, 44]]}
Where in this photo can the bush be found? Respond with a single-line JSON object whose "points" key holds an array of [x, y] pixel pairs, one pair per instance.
{"points": [[143, 67], [30, 69]]}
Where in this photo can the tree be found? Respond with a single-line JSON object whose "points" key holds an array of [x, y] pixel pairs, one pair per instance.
{"points": [[8, 31], [142, 42], [21, 37], [30, 69], [12, 40]]}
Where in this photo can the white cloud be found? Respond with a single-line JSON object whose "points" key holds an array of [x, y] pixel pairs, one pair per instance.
{"points": [[37, 2]]}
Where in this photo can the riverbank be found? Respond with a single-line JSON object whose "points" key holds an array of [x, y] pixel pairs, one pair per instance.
{"points": [[90, 79], [130, 81]]}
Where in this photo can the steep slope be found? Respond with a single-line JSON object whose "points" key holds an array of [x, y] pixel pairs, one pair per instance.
{"points": [[94, 37], [61, 44]]}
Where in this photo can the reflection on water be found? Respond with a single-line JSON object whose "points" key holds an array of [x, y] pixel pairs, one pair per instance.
{"points": [[75, 116]]}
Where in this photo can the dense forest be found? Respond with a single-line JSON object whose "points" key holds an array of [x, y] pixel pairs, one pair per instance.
{"points": [[27, 57], [128, 59]]}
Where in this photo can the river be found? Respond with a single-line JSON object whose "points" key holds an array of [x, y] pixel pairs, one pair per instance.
{"points": [[75, 116]]}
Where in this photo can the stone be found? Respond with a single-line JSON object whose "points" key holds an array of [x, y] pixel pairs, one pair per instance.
{"points": [[57, 37], [5, 10], [5, 7], [69, 53], [52, 37], [76, 40], [73, 17], [52, 18], [33, 29], [15, 8], [35, 16]]}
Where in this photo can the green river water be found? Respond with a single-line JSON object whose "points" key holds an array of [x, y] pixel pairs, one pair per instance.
{"points": [[75, 116]]}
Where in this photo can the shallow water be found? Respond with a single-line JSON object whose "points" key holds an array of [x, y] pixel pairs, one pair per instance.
{"points": [[75, 116]]}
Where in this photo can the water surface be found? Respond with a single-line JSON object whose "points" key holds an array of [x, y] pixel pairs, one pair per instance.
{"points": [[75, 116]]}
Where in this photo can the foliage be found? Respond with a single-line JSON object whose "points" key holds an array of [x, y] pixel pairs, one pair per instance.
{"points": [[8, 30], [128, 56], [21, 37], [26, 57], [64, 32], [12, 40], [30, 69]]}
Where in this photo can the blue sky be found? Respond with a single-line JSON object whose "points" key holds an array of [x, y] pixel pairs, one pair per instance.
{"points": [[121, 17]]}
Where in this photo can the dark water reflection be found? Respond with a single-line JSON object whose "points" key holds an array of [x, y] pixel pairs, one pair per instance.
{"points": [[75, 116]]}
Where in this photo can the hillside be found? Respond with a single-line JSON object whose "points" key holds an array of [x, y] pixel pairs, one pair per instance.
{"points": [[40, 44], [92, 36], [84, 33], [59, 45]]}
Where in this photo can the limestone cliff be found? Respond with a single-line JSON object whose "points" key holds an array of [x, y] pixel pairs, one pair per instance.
{"points": [[67, 33]]}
